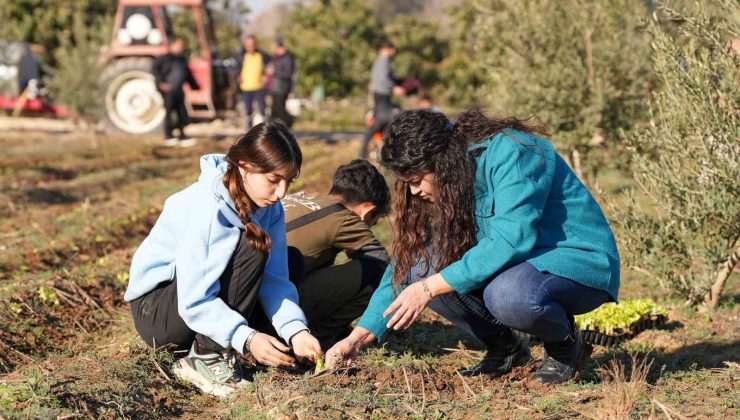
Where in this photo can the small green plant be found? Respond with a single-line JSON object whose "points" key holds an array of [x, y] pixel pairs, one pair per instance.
{"points": [[48, 296], [320, 365], [612, 318], [123, 277]]}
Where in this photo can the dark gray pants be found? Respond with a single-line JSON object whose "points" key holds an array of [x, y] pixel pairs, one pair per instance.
{"points": [[159, 324], [334, 295], [176, 114], [383, 114]]}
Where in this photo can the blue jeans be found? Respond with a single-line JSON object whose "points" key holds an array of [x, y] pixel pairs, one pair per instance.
{"points": [[248, 97], [521, 298]]}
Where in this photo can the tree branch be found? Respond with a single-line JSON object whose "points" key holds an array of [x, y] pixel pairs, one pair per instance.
{"points": [[723, 274]]}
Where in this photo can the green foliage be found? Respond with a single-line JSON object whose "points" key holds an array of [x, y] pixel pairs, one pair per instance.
{"points": [[465, 79], [579, 66], [226, 19], [419, 48], [76, 82], [335, 43], [684, 225], [50, 23], [613, 319]]}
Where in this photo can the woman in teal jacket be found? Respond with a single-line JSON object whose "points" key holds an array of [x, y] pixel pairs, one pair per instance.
{"points": [[495, 233]]}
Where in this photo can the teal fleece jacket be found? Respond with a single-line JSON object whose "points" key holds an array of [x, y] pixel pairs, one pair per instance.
{"points": [[529, 206], [193, 241]]}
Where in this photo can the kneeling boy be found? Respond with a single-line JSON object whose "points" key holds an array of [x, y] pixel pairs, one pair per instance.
{"points": [[320, 227]]}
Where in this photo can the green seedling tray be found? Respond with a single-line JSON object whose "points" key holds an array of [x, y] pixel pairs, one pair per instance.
{"points": [[607, 340]]}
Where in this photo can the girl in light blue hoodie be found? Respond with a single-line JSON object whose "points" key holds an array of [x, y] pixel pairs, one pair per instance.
{"points": [[218, 252]]}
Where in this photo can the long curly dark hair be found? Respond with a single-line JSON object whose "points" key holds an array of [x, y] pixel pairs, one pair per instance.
{"points": [[266, 147], [419, 142]]}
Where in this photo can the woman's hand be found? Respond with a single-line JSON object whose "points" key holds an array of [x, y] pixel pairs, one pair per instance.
{"points": [[414, 299], [270, 351], [306, 347], [344, 352], [409, 304]]}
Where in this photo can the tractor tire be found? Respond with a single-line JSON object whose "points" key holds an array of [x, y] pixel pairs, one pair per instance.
{"points": [[131, 101]]}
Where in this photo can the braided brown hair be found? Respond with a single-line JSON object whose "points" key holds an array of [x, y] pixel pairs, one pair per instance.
{"points": [[266, 147]]}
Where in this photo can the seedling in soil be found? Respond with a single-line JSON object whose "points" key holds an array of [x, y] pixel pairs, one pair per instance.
{"points": [[123, 277], [320, 365], [48, 295]]}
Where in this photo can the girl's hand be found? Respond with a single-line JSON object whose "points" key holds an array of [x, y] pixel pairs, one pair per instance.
{"points": [[342, 353], [408, 306], [306, 347], [270, 351]]}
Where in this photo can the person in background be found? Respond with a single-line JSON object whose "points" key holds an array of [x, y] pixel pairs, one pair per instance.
{"points": [[252, 77], [282, 72], [171, 72], [320, 227], [383, 84], [29, 71]]}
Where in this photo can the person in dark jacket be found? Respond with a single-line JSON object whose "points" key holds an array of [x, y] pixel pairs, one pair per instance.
{"points": [[171, 72], [282, 71], [383, 84], [29, 70]]}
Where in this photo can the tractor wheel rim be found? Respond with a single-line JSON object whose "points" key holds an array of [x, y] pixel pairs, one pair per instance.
{"points": [[133, 104]]}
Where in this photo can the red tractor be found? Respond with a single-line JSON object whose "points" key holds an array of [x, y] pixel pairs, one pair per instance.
{"points": [[143, 31]]}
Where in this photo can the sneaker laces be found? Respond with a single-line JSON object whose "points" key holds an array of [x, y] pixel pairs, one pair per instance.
{"points": [[220, 367]]}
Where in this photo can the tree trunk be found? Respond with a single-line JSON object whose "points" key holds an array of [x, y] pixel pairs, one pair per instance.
{"points": [[575, 159], [724, 273]]}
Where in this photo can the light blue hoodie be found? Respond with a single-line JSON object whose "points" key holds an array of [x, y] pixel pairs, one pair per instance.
{"points": [[195, 237]]}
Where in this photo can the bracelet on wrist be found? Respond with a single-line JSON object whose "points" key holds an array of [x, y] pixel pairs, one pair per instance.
{"points": [[248, 342], [426, 289]]}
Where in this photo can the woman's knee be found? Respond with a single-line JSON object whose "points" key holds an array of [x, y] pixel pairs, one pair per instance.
{"points": [[512, 300], [520, 314]]}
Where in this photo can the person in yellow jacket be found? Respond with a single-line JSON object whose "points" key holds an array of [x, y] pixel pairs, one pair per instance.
{"points": [[252, 77]]}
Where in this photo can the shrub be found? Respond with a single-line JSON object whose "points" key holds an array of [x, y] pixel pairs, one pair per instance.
{"points": [[683, 226]]}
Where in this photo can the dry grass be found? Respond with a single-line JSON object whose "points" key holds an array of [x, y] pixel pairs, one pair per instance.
{"points": [[621, 392]]}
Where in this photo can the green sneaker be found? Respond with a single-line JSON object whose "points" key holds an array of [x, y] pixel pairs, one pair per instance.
{"points": [[214, 373]]}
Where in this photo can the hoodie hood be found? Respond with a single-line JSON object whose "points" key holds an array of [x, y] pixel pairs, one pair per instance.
{"points": [[212, 170]]}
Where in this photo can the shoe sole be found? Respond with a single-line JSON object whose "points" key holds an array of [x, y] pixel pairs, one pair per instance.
{"points": [[187, 374]]}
